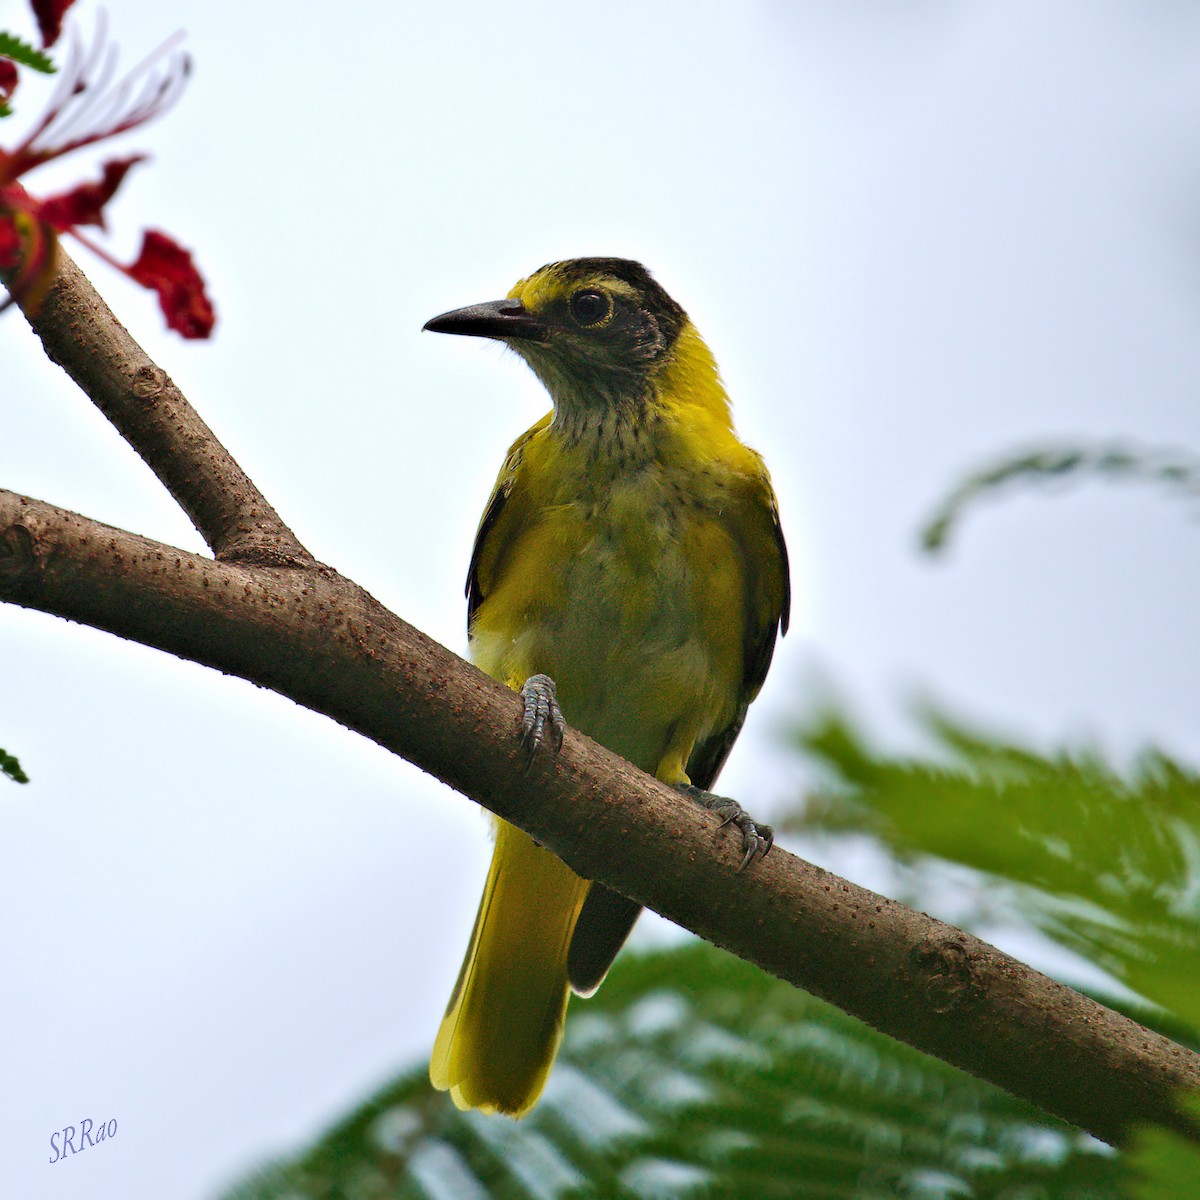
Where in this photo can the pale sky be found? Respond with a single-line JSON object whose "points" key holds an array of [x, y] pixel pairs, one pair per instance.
{"points": [[914, 235]]}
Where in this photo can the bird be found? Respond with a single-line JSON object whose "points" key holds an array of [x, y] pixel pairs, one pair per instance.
{"points": [[629, 575]]}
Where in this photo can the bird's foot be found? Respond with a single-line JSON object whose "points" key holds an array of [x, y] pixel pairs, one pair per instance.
{"points": [[756, 839], [542, 716]]}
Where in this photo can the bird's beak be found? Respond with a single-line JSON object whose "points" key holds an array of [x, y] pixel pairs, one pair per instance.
{"points": [[497, 319]]}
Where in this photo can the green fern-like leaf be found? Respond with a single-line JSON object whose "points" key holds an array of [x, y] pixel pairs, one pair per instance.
{"points": [[25, 55], [692, 1074], [1164, 1166], [1178, 473], [1103, 863], [10, 767]]}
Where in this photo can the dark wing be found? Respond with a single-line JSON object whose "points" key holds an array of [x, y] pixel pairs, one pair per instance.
{"points": [[477, 577], [755, 522]]}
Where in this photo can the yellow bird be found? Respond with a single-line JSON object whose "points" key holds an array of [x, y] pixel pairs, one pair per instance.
{"points": [[630, 567]]}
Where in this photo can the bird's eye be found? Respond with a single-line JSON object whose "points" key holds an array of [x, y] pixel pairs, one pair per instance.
{"points": [[590, 308]]}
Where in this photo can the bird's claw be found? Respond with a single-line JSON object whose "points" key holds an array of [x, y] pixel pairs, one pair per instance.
{"points": [[757, 839], [542, 715]]}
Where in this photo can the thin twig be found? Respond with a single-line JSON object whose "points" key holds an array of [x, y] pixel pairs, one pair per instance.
{"points": [[80, 333]]}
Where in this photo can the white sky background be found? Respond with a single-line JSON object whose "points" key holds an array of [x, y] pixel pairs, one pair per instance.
{"points": [[914, 235]]}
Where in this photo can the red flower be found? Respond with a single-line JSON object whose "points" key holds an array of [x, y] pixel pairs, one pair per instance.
{"points": [[84, 204], [29, 226], [167, 267], [50, 15]]}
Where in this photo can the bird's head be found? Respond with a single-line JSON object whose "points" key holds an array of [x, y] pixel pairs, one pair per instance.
{"points": [[600, 333]]}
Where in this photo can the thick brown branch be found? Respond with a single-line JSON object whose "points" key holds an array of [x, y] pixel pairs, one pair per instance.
{"points": [[80, 333], [318, 638]]}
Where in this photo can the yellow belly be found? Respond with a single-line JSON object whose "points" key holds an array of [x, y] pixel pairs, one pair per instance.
{"points": [[634, 607]]}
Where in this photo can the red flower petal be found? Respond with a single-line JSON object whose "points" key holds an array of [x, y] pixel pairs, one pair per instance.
{"points": [[84, 205], [50, 15], [167, 267], [8, 79]]}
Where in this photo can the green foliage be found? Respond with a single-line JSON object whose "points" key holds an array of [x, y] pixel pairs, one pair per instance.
{"points": [[691, 1073], [10, 767], [25, 55], [1178, 473], [1105, 865], [1164, 1166]]}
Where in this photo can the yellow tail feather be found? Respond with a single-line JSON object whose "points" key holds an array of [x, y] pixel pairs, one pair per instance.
{"points": [[504, 1022]]}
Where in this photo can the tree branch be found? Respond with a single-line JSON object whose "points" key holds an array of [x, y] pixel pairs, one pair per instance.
{"points": [[80, 333], [310, 634]]}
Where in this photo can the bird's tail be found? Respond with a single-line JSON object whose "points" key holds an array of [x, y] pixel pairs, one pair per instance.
{"points": [[504, 1022]]}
